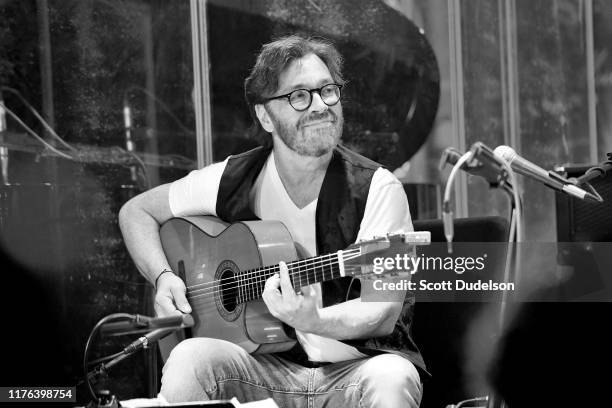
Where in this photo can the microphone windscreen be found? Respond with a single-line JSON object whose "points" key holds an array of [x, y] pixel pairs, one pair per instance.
{"points": [[505, 152]]}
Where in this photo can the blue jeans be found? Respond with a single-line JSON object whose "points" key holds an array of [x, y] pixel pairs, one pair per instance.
{"points": [[206, 369]]}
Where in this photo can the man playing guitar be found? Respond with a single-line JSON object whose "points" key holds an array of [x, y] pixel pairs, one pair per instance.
{"points": [[349, 352]]}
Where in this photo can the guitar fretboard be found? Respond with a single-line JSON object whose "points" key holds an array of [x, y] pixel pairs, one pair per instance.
{"points": [[250, 283]]}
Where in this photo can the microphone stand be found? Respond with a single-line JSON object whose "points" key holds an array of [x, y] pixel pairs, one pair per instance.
{"points": [[486, 157], [104, 398], [596, 171], [590, 174], [481, 151], [142, 343]]}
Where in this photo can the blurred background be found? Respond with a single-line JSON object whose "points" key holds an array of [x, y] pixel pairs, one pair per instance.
{"points": [[103, 99]]}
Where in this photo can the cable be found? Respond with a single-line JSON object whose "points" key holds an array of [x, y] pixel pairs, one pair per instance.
{"points": [[516, 235], [466, 156], [103, 359], [467, 401], [447, 214], [142, 165], [94, 331], [517, 202], [35, 135], [513, 180], [40, 118]]}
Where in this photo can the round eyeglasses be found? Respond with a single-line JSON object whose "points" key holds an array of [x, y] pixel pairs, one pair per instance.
{"points": [[301, 99]]}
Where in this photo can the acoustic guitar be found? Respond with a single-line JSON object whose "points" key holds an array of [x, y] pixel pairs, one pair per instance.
{"points": [[225, 266]]}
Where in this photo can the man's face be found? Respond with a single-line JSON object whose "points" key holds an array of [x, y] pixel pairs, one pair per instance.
{"points": [[316, 130]]}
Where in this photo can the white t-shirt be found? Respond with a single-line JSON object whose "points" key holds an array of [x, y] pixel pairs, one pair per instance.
{"points": [[386, 211]]}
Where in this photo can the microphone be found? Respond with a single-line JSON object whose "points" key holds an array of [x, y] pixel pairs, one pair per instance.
{"points": [[139, 323], [535, 172], [483, 164], [170, 324], [144, 341]]}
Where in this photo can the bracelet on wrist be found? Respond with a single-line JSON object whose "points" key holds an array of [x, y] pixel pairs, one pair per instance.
{"points": [[159, 276]]}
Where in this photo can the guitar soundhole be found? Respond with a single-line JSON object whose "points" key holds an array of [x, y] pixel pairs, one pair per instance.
{"points": [[226, 293], [228, 289]]}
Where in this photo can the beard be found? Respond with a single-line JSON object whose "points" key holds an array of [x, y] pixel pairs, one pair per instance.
{"points": [[313, 135]]}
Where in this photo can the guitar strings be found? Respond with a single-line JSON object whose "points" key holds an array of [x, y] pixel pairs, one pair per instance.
{"points": [[209, 303], [240, 298], [258, 279], [251, 275], [347, 255], [258, 275], [254, 285], [214, 286]]}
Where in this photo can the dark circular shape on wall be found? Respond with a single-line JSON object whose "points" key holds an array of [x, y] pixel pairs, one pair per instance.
{"points": [[392, 97], [419, 119]]}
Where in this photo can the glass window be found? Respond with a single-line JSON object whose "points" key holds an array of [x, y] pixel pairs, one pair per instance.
{"points": [[483, 95], [602, 33], [549, 66], [113, 82]]}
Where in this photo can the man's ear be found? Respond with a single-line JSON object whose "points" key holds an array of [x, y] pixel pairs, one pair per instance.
{"points": [[264, 118]]}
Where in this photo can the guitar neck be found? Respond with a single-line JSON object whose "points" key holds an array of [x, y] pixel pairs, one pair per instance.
{"points": [[302, 273]]}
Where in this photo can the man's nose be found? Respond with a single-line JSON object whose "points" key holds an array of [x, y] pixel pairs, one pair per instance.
{"points": [[317, 104]]}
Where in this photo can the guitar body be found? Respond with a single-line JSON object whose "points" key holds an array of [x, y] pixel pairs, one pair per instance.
{"points": [[225, 267], [208, 254]]}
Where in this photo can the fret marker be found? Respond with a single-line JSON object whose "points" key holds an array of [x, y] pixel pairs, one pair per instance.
{"points": [[341, 263]]}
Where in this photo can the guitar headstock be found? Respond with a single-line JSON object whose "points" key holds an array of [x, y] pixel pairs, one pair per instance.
{"points": [[366, 259]]}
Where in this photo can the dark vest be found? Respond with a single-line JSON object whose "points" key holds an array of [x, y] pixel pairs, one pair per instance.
{"points": [[340, 209]]}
